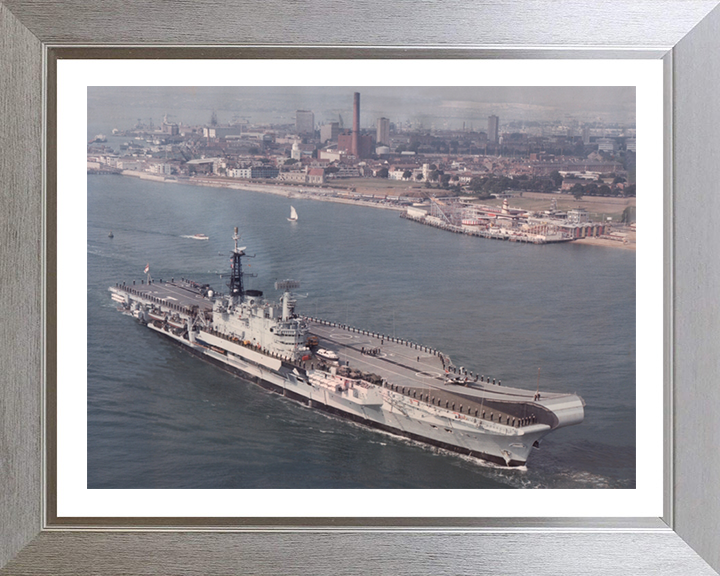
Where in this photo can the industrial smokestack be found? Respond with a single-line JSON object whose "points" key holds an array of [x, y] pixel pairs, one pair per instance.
{"points": [[356, 125]]}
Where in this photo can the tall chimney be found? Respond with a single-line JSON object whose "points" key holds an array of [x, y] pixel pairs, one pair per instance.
{"points": [[356, 125]]}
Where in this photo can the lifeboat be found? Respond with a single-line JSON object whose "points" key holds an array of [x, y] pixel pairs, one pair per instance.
{"points": [[327, 354]]}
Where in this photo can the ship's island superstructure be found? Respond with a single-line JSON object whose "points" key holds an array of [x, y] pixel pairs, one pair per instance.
{"points": [[384, 382]]}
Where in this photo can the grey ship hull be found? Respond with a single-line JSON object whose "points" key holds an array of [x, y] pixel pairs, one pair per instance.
{"points": [[411, 396], [334, 411]]}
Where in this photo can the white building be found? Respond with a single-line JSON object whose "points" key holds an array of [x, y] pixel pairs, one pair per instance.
{"points": [[577, 216], [221, 131], [331, 155], [239, 172], [607, 145], [161, 168], [125, 164]]}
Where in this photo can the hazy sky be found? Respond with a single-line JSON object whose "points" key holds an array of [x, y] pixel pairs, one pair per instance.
{"points": [[438, 106]]}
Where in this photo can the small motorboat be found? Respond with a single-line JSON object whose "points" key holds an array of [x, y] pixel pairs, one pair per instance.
{"points": [[326, 354], [199, 237], [111, 235]]}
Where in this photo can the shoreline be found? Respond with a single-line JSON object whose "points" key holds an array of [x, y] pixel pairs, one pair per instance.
{"points": [[606, 243], [276, 189], [291, 192]]}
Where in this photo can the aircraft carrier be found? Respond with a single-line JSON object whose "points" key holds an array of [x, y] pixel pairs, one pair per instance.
{"points": [[383, 382]]}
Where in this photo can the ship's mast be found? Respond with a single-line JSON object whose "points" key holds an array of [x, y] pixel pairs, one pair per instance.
{"points": [[236, 274]]}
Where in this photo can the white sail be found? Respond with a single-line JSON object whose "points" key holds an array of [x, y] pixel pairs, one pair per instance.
{"points": [[293, 214]]}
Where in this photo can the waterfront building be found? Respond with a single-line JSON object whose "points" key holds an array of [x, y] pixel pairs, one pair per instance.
{"points": [[316, 176], [254, 172], [297, 176], [205, 165], [165, 168], [129, 164], [577, 216], [264, 172]]}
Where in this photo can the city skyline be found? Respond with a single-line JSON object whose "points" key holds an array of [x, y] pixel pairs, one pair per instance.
{"points": [[451, 108]]}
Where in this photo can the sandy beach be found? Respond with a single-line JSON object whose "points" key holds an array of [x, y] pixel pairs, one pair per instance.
{"points": [[630, 245], [288, 190]]}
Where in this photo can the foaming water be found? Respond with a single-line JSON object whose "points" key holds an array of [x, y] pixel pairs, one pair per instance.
{"points": [[158, 417]]}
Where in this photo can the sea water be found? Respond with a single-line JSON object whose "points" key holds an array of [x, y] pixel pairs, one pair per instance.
{"points": [[558, 317]]}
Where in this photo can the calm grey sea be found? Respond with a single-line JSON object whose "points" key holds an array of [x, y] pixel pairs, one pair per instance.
{"points": [[160, 418]]}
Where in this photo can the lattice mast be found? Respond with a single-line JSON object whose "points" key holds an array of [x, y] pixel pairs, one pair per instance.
{"points": [[236, 274]]}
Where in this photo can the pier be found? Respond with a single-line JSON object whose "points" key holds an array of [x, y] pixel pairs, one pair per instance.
{"points": [[499, 234]]}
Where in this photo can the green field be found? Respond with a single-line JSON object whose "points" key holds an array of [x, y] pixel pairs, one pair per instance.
{"points": [[599, 208]]}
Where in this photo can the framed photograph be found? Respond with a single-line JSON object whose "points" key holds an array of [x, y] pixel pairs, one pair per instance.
{"points": [[383, 325], [118, 452]]}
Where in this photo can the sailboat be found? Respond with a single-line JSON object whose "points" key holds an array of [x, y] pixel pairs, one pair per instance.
{"points": [[293, 215]]}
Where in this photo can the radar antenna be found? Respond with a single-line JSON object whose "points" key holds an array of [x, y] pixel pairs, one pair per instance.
{"points": [[287, 299]]}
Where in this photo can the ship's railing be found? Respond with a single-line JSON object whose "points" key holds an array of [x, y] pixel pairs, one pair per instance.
{"points": [[481, 414], [497, 427]]}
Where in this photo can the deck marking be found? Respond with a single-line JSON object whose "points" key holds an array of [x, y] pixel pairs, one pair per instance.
{"points": [[342, 336], [428, 374]]}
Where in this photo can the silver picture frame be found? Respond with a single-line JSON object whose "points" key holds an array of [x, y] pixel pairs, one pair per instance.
{"points": [[685, 34]]}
